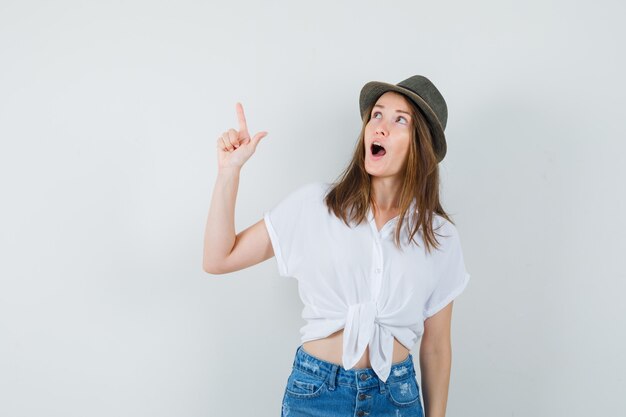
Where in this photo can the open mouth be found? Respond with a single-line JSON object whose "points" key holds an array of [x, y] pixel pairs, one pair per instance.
{"points": [[378, 150]]}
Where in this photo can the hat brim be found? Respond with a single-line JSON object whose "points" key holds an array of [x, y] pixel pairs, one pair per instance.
{"points": [[374, 89]]}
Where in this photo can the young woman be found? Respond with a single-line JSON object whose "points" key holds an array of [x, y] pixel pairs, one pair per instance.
{"points": [[377, 259]]}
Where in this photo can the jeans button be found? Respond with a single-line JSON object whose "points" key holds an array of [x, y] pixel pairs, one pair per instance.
{"points": [[364, 377], [362, 396]]}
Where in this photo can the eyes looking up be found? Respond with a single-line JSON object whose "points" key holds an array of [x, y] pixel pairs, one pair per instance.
{"points": [[376, 113]]}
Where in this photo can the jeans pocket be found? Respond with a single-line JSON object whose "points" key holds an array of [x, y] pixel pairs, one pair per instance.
{"points": [[404, 393], [302, 384]]}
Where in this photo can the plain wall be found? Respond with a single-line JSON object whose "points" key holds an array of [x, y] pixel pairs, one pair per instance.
{"points": [[109, 116]]}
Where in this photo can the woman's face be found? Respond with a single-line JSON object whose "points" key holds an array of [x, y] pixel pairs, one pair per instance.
{"points": [[390, 126]]}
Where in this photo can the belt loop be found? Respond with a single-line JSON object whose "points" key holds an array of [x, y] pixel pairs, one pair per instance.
{"points": [[295, 357], [381, 385], [332, 377]]}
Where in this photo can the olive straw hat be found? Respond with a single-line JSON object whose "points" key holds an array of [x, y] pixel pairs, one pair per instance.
{"points": [[424, 94]]}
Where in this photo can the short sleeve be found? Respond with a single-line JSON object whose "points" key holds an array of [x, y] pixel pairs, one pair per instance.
{"points": [[283, 223], [451, 278]]}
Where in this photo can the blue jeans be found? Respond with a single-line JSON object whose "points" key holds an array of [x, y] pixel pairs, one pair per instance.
{"points": [[319, 388]]}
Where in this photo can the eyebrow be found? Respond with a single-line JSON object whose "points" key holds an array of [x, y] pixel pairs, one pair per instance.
{"points": [[399, 111]]}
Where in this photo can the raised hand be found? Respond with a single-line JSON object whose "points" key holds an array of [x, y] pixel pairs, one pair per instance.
{"points": [[234, 147]]}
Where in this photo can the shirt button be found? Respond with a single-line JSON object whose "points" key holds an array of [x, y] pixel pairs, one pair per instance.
{"points": [[378, 270]]}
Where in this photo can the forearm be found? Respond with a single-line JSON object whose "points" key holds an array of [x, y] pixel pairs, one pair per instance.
{"points": [[435, 370], [219, 234]]}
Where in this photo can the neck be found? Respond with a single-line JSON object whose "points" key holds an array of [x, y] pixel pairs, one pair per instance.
{"points": [[386, 193]]}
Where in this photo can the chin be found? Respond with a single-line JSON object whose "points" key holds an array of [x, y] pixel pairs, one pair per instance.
{"points": [[373, 173]]}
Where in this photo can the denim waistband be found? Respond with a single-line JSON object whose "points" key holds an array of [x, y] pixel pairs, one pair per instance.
{"points": [[359, 378]]}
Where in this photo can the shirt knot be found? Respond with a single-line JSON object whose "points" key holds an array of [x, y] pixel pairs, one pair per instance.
{"points": [[362, 329]]}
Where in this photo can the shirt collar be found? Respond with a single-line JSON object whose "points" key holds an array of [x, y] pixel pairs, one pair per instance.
{"points": [[388, 226]]}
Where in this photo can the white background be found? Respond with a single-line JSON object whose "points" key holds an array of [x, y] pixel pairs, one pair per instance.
{"points": [[109, 115]]}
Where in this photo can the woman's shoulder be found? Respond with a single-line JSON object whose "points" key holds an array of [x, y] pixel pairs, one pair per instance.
{"points": [[307, 193], [313, 189], [443, 226]]}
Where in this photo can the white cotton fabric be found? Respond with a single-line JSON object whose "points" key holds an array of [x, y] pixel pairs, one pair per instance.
{"points": [[357, 279]]}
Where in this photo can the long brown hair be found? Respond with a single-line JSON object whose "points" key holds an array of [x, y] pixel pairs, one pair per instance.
{"points": [[351, 194]]}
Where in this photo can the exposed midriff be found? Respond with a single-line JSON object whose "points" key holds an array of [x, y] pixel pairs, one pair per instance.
{"points": [[330, 349]]}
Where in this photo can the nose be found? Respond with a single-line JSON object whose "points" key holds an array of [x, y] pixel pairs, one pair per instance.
{"points": [[380, 130]]}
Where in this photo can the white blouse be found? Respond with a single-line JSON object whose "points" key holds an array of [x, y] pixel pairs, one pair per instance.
{"points": [[357, 279]]}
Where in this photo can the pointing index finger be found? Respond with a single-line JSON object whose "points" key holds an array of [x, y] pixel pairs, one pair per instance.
{"points": [[242, 118]]}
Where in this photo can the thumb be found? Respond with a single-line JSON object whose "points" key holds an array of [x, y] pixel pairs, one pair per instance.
{"points": [[258, 137]]}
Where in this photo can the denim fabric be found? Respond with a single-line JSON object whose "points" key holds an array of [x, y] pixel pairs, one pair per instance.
{"points": [[319, 388]]}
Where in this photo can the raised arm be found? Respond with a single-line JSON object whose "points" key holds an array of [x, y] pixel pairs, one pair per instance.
{"points": [[225, 251]]}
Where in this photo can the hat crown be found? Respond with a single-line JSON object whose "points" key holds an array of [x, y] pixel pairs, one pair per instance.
{"points": [[424, 88]]}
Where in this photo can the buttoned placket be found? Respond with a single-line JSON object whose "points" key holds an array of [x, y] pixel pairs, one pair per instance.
{"points": [[362, 317], [377, 267], [378, 260]]}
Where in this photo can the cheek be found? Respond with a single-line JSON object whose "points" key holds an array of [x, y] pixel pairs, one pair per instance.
{"points": [[405, 144], [407, 138]]}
